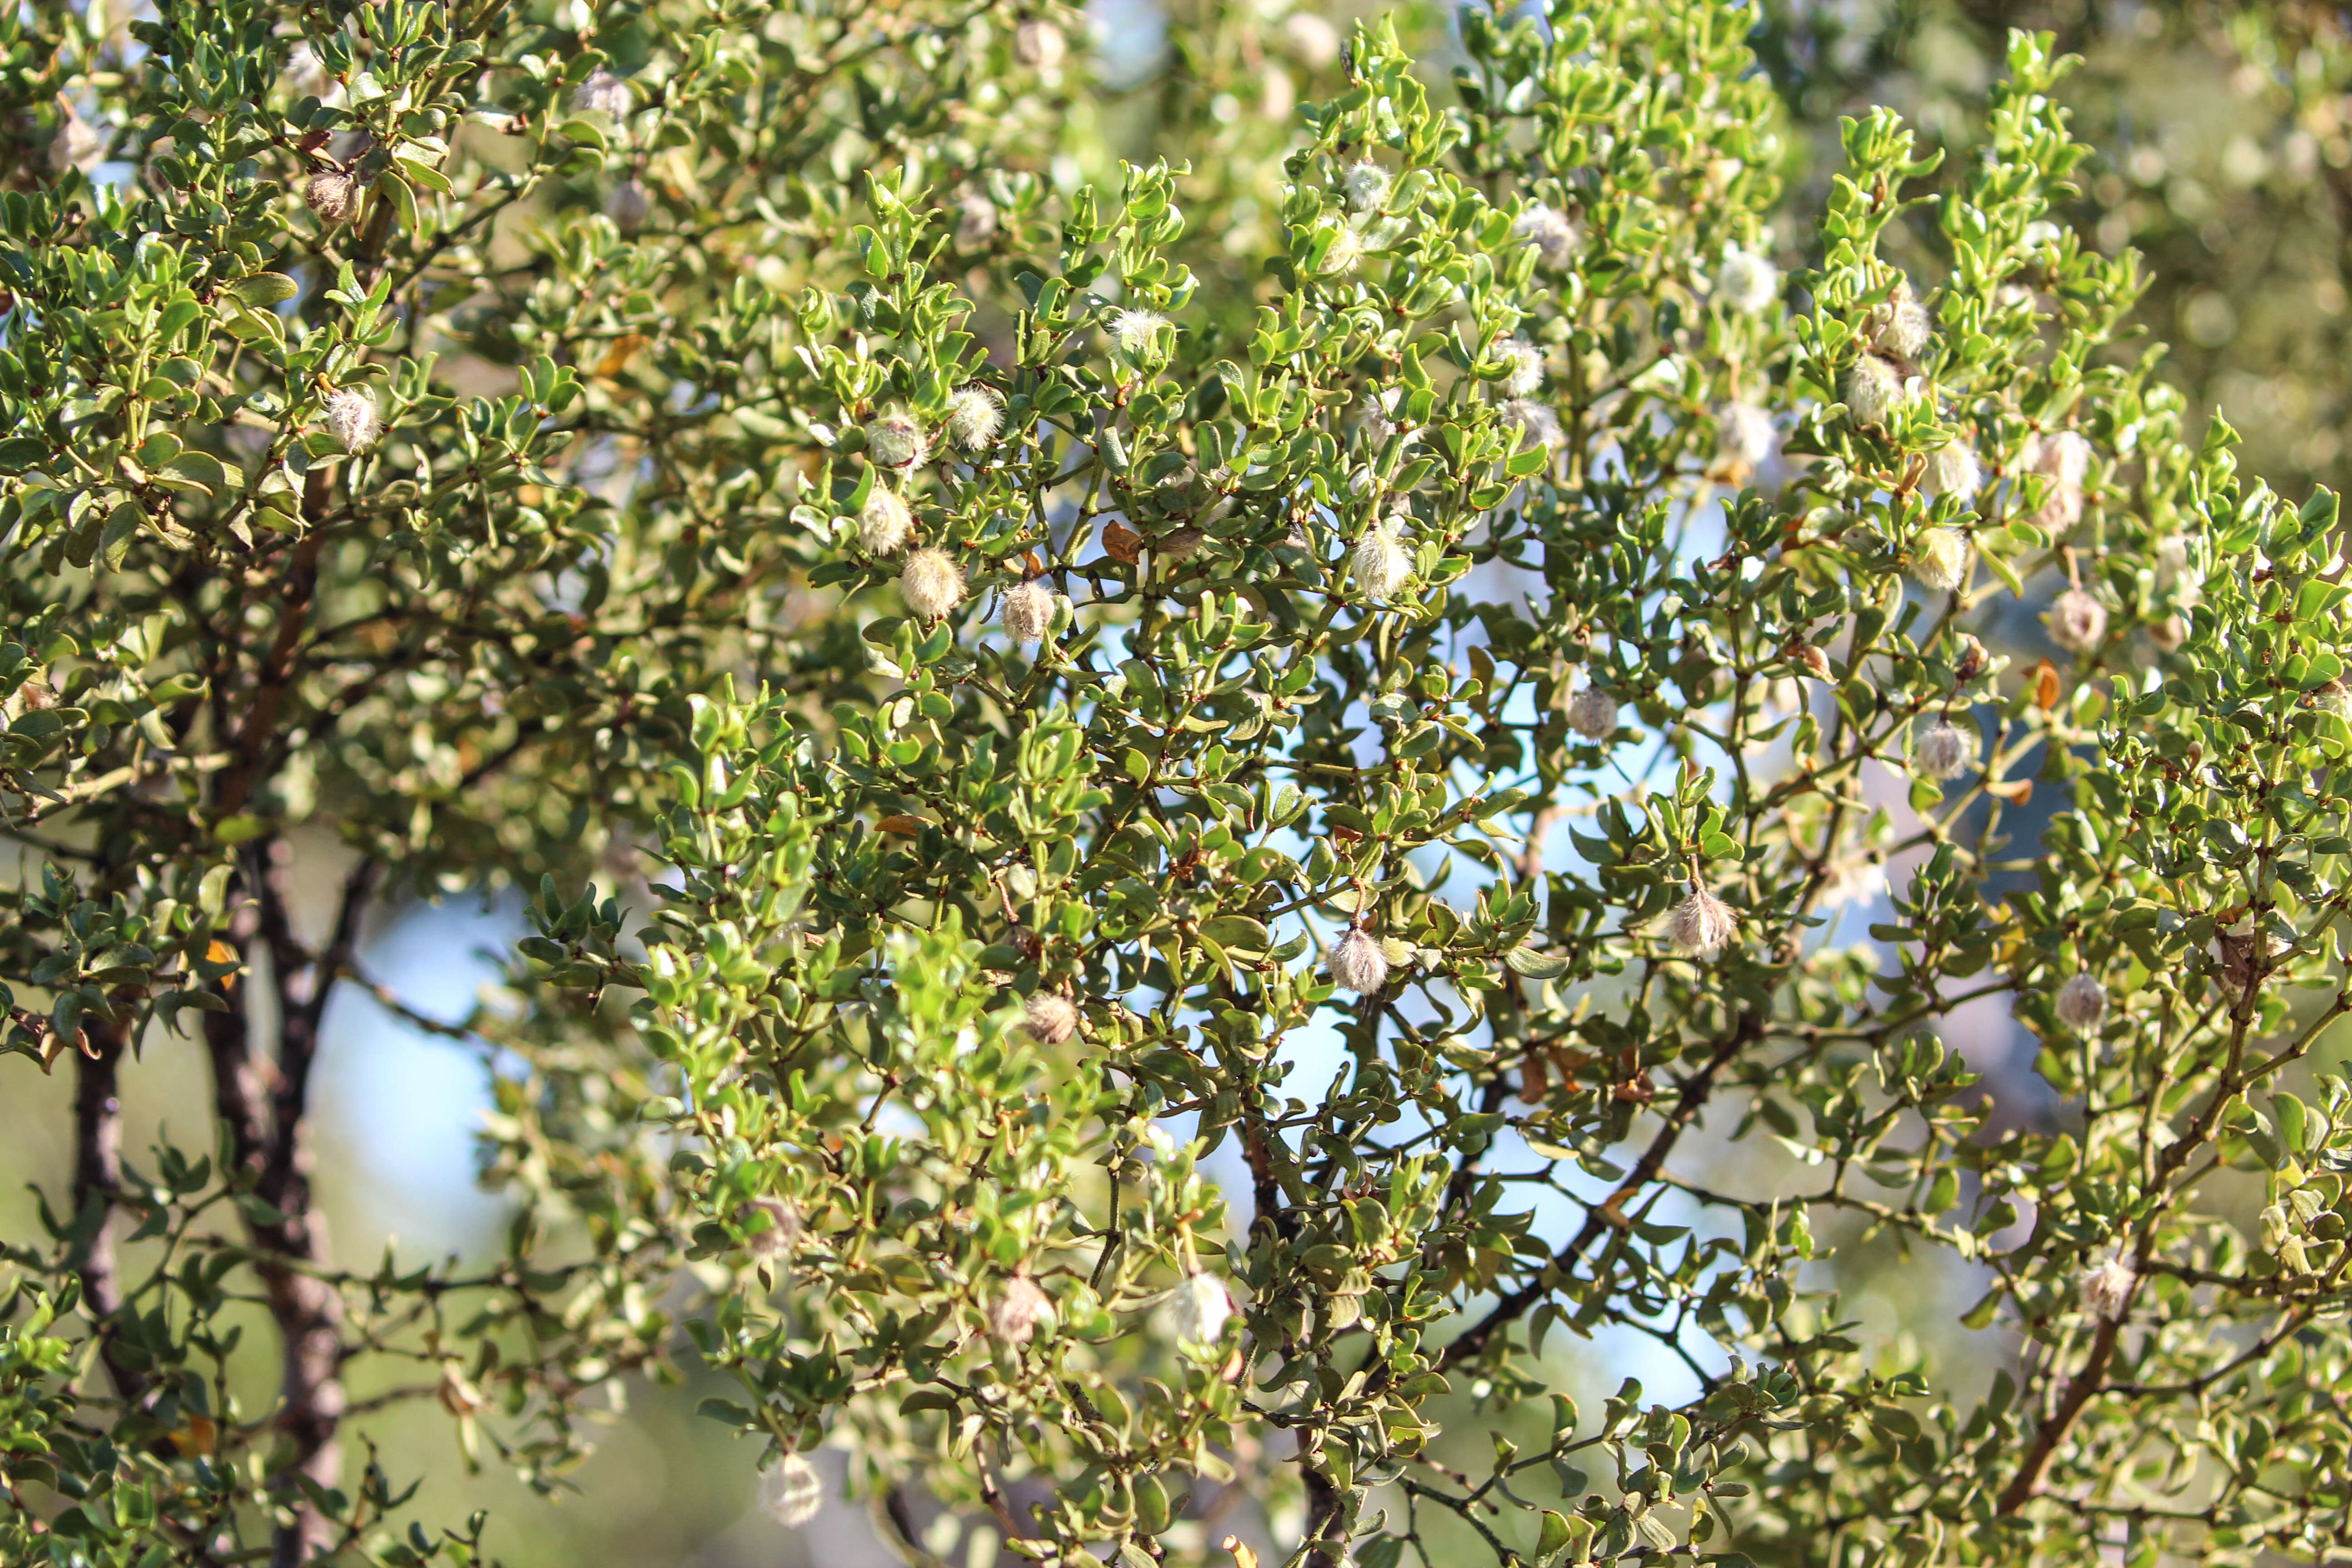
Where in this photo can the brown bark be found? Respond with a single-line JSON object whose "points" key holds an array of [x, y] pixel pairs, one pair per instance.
{"points": [[97, 1176], [270, 1140]]}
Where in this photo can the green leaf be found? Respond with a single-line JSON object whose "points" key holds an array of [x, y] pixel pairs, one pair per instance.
{"points": [[263, 289], [1535, 964]]}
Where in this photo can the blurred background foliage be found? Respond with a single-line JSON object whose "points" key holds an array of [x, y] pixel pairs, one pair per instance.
{"points": [[2226, 139]]}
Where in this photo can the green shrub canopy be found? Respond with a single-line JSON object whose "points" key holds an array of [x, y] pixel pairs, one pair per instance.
{"points": [[1459, 593]]}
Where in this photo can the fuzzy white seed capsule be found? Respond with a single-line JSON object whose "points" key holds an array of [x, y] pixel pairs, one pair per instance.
{"points": [[1901, 326], [1872, 390], [628, 205], [603, 94], [1701, 925], [1040, 45], [896, 441], [2064, 460], [780, 1230], [1050, 1018], [1380, 416], [1382, 561], [2078, 622], [2081, 1003], [1524, 367], [305, 73], [1366, 185], [1134, 331], [1537, 425], [1946, 751], [1939, 560], [1358, 963], [2334, 696], [352, 417], [2107, 1287], [884, 525], [2172, 558], [1347, 249], [1953, 469], [1744, 435], [332, 195], [930, 584], [1746, 282], [1592, 713], [1201, 1308], [2064, 457], [1312, 41], [75, 145], [1549, 231], [976, 221], [1027, 613], [975, 415], [793, 1492], [1013, 1319]]}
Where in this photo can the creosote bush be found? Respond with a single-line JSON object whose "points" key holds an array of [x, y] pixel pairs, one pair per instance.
{"points": [[1376, 652]]}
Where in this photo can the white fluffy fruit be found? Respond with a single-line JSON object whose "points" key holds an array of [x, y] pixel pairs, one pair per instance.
{"points": [[1201, 1308], [603, 94], [2078, 622], [353, 419], [1382, 562], [1134, 331], [1365, 185], [1040, 45], [975, 415], [1526, 367], [896, 441], [1744, 435], [793, 1492], [1872, 391], [1903, 326], [1358, 963], [1953, 469], [332, 195], [1027, 611], [885, 524], [1939, 559], [1746, 282], [1592, 713], [1946, 751], [2107, 1287], [930, 584], [2081, 1003], [1549, 231], [1702, 925], [1050, 1018], [1012, 1320]]}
